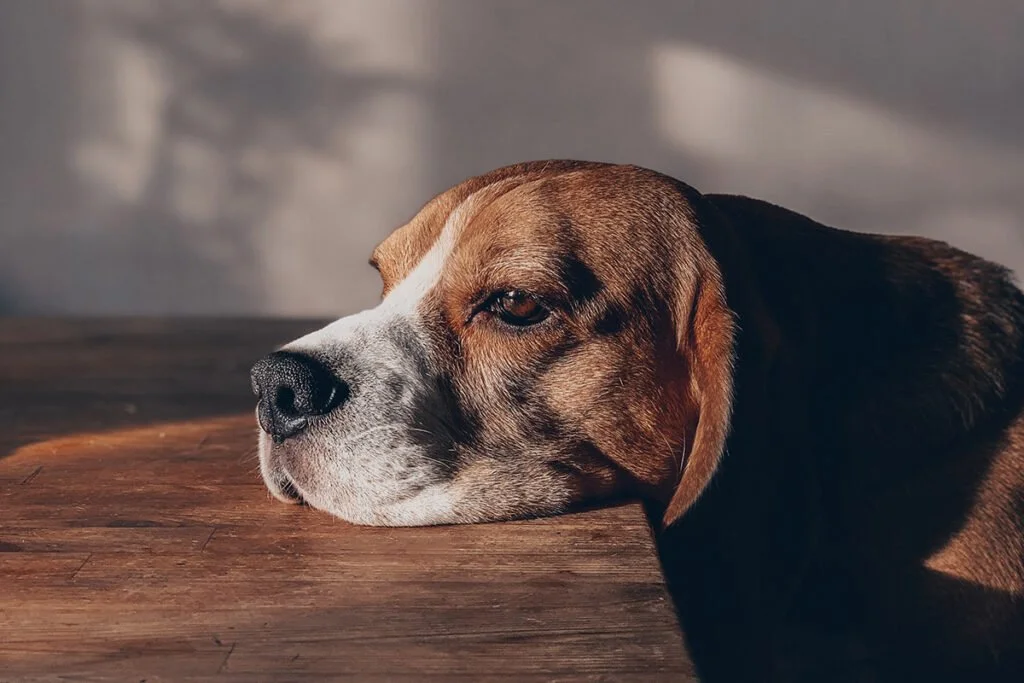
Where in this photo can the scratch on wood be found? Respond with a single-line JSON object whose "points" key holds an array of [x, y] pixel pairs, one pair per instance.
{"points": [[226, 658], [208, 539], [80, 567], [35, 473]]}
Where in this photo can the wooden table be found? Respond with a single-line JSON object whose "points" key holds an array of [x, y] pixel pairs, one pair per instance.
{"points": [[138, 543]]}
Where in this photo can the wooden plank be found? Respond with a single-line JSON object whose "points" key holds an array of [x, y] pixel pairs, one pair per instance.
{"points": [[137, 541], [25, 536], [42, 567]]}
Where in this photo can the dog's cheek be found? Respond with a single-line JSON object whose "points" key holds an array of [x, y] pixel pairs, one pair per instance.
{"points": [[611, 394], [492, 490], [509, 468], [589, 474]]}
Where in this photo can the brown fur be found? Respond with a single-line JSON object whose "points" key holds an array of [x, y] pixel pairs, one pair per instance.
{"points": [[829, 424]]}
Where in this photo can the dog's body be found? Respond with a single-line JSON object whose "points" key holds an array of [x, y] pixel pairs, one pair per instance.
{"points": [[868, 521], [831, 424]]}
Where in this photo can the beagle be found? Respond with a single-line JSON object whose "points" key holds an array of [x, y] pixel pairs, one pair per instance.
{"points": [[828, 425]]}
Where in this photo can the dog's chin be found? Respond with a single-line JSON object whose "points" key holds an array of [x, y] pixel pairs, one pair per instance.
{"points": [[428, 506], [367, 488], [422, 505]]}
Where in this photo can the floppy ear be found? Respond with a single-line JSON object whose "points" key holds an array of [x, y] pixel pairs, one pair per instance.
{"points": [[706, 334]]}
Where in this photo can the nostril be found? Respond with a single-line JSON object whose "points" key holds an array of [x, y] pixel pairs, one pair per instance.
{"points": [[338, 394], [284, 401]]}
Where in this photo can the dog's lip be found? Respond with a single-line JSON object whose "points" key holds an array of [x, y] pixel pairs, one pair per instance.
{"points": [[288, 489]]}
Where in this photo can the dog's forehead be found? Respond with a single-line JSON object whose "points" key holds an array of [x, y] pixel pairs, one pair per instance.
{"points": [[401, 250], [536, 205]]}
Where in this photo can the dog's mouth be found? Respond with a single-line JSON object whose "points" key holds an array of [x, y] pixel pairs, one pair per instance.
{"points": [[288, 489]]}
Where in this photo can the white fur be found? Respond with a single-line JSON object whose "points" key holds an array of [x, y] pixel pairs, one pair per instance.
{"points": [[356, 481], [404, 299]]}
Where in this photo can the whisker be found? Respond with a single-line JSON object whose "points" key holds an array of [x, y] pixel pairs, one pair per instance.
{"points": [[372, 430], [449, 465], [349, 442], [442, 421]]}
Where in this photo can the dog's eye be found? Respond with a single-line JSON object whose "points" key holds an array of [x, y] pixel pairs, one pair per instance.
{"points": [[518, 308]]}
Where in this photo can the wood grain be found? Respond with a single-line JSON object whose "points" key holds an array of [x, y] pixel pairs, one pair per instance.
{"points": [[137, 542]]}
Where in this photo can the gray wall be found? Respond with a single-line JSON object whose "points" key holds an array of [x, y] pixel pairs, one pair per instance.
{"points": [[243, 156]]}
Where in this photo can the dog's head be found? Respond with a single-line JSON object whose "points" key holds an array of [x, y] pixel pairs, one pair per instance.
{"points": [[549, 333]]}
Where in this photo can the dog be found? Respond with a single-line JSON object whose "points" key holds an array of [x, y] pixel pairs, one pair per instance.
{"points": [[828, 426]]}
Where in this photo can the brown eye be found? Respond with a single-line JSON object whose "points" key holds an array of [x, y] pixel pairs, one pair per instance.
{"points": [[518, 308]]}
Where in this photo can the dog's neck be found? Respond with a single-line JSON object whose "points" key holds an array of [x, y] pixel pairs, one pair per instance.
{"points": [[904, 354]]}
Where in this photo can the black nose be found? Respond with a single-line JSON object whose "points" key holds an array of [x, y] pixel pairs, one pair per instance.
{"points": [[292, 388]]}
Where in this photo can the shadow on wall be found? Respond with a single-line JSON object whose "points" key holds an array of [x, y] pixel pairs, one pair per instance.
{"points": [[217, 156], [179, 136], [889, 116]]}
